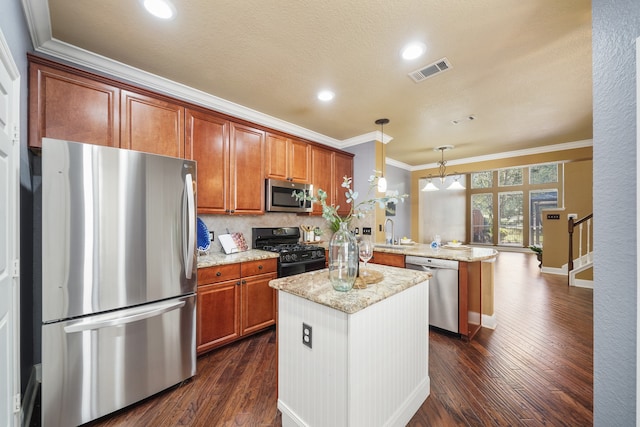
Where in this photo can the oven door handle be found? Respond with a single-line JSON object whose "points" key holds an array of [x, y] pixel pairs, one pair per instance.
{"points": [[303, 262]]}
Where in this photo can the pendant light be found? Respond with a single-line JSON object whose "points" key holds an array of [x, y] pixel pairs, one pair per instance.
{"points": [[442, 173], [382, 181]]}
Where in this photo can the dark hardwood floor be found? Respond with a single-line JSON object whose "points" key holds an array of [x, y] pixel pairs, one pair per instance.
{"points": [[535, 368]]}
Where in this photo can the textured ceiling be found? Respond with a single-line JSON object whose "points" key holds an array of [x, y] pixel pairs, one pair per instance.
{"points": [[522, 68]]}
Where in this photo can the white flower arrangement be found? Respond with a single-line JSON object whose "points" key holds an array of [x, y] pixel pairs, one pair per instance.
{"points": [[357, 210]]}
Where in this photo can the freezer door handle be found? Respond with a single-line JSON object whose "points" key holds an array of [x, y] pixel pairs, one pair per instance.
{"points": [[122, 318], [189, 228]]}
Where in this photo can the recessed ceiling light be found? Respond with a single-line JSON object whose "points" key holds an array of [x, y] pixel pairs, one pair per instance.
{"points": [[413, 50], [326, 95], [162, 9]]}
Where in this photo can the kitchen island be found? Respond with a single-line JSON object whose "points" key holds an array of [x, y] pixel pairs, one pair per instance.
{"points": [[475, 278], [357, 358]]}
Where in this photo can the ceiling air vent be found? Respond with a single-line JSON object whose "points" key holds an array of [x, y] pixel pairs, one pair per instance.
{"points": [[430, 70]]}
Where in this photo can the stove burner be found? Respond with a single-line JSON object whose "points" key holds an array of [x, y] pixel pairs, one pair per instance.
{"points": [[295, 258]]}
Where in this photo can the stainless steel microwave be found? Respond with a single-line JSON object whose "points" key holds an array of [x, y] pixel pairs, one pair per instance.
{"points": [[279, 196]]}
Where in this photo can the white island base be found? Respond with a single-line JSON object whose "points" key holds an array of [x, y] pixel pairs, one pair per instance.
{"points": [[368, 368]]}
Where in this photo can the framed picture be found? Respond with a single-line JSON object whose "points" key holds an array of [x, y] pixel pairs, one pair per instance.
{"points": [[390, 209]]}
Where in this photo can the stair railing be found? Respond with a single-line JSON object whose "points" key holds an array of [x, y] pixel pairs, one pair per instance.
{"points": [[572, 225]]}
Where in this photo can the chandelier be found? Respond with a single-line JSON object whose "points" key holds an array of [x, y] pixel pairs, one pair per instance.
{"points": [[442, 172]]}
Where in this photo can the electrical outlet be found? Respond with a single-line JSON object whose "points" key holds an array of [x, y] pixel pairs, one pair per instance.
{"points": [[306, 335], [211, 236], [366, 231], [356, 231]]}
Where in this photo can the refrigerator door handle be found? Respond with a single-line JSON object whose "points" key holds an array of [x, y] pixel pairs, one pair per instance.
{"points": [[119, 318], [189, 229]]}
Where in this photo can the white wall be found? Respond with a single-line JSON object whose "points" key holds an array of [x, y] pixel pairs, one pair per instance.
{"points": [[442, 213], [616, 25]]}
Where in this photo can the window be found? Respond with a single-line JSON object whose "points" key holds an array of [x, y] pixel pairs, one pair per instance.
{"points": [[539, 200], [482, 218], [482, 179], [511, 176], [543, 174], [510, 218], [506, 205]]}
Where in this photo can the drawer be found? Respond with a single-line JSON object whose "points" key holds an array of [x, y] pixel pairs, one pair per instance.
{"points": [[218, 273], [261, 266]]}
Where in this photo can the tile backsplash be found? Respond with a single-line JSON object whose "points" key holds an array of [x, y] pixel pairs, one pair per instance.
{"points": [[221, 224]]}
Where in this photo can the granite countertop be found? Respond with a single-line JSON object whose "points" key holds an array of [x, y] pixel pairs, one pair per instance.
{"points": [[315, 286], [464, 253], [220, 258]]}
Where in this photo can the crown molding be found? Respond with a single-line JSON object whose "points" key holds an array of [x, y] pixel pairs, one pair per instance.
{"points": [[508, 154], [366, 137]]}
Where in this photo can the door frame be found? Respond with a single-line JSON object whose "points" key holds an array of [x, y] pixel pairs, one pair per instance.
{"points": [[13, 236]]}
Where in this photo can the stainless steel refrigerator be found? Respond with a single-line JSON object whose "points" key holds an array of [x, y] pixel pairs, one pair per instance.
{"points": [[119, 278]]}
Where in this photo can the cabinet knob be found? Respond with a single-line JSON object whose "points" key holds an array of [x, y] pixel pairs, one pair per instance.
{"points": [[260, 267], [219, 273], [244, 282], [238, 283]]}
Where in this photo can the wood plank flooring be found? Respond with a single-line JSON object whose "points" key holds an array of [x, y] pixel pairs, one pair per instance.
{"points": [[534, 369]]}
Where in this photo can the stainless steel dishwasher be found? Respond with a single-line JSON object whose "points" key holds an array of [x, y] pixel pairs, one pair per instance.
{"points": [[443, 290]]}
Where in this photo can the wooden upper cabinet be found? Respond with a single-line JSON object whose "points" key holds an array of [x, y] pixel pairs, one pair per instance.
{"points": [[299, 161], [322, 175], [207, 142], [287, 159], [152, 125], [246, 181], [66, 106], [342, 166], [230, 158]]}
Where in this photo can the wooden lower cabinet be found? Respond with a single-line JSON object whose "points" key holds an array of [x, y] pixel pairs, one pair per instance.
{"points": [[384, 258], [234, 300]]}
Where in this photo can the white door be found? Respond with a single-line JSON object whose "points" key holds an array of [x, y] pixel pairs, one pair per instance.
{"points": [[9, 238]]}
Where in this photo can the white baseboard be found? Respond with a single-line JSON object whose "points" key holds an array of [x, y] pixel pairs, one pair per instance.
{"points": [[562, 271], [489, 322], [581, 283]]}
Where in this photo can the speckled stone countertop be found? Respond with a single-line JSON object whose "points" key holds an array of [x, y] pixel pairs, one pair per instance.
{"points": [[464, 253], [220, 258], [315, 286]]}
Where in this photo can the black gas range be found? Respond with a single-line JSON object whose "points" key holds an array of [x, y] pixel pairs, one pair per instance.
{"points": [[295, 257]]}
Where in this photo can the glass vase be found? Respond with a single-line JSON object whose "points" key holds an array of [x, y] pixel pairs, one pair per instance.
{"points": [[343, 259]]}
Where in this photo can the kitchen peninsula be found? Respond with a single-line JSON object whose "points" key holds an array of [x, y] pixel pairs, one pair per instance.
{"points": [[474, 295], [356, 358]]}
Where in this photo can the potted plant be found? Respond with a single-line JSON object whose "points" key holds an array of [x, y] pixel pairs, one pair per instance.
{"points": [[343, 256], [538, 251]]}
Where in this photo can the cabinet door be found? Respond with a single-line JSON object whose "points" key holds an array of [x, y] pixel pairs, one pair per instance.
{"points": [[152, 125], [65, 106], [393, 260], [258, 303], [287, 159], [218, 314], [207, 143], [342, 166], [321, 175], [246, 189], [299, 161], [277, 157]]}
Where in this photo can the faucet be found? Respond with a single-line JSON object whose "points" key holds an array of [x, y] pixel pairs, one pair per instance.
{"points": [[385, 231]]}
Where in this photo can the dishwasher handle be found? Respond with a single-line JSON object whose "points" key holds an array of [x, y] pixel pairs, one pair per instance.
{"points": [[431, 262]]}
